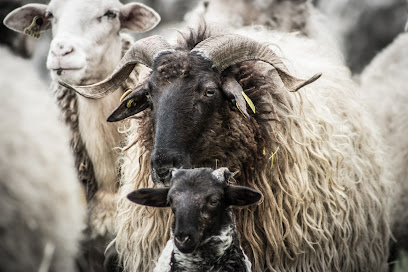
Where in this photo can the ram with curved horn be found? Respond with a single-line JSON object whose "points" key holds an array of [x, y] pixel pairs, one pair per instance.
{"points": [[224, 101]]}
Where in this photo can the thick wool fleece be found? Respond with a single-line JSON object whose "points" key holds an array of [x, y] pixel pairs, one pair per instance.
{"points": [[315, 155]]}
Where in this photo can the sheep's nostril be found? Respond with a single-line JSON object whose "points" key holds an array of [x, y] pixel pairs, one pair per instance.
{"points": [[162, 173], [182, 239]]}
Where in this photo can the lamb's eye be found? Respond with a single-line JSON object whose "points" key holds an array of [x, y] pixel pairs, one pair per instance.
{"points": [[213, 203], [131, 103], [110, 14], [210, 92]]}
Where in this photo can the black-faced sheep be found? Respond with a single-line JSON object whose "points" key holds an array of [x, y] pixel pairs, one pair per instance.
{"points": [[42, 204], [86, 47], [386, 92], [314, 154], [204, 236]]}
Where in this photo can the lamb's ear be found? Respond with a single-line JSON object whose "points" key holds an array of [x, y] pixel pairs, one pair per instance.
{"points": [[28, 19], [132, 104], [233, 91], [153, 197], [241, 195], [138, 17]]}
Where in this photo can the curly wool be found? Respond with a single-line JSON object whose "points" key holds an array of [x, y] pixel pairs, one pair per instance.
{"points": [[314, 155]]}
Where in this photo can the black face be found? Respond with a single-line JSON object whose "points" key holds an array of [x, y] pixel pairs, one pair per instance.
{"points": [[199, 199], [197, 202], [183, 107]]}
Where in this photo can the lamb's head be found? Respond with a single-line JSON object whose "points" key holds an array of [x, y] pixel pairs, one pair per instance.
{"points": [[190, 94], [200, 200], [86, 45]]}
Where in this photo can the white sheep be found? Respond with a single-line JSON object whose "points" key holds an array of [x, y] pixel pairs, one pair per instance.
{"points": [[86, 47], [286, 16], [363, 27], [315, 154], [42, 204], [385, 89], [204, 234]]}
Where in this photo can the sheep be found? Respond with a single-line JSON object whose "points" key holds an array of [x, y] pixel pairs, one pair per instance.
{"points": [[204, 236], [384, 89], [42, 203], [314, 154], [363, 27], [85, 48], [287, 16]]}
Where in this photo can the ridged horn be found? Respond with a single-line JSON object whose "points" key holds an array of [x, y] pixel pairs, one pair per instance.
{"points": [[143, 52], [227, 50]]}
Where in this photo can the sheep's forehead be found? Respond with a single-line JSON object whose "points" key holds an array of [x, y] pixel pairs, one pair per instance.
{"points": [[196, 186], [179, 64], [82, 8]]}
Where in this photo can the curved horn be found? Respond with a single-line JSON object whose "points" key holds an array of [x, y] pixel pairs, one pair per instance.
{"points": [[227, 50], [143, 51]]}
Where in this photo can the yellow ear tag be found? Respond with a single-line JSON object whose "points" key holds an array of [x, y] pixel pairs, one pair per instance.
{"points": [[34, 29], [129, 103], [128, 91], [236, 104], [249, 101]]}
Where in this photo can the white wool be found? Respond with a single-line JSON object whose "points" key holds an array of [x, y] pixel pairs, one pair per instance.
{"points": [[385, 89], [41, 201]]}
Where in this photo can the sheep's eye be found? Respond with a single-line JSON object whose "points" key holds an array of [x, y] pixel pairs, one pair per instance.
{"points": [[110, 14], [147, 95], [210, 92], [49, 15], [213, 203], [131, 103]]}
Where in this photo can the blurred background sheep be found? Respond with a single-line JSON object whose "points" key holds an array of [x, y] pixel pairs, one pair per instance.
{"points": [[42, 204]]}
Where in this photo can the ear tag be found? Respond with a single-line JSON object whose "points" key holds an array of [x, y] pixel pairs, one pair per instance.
{"points": [[128, 91], [129, 103], [34, 30], [249, 101]]}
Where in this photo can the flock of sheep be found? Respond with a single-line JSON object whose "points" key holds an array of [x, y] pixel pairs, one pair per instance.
{"points": [[135, 155]]}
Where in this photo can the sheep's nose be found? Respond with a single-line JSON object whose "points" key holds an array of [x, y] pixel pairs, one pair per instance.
{"points": [[182, 239], [162, 173], [61, 49], [162, 160]]}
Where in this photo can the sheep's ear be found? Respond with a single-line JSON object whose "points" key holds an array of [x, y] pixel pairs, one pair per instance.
{"points": [[153, 197], [241, 195], [132, 104], [234, 92], [28, 18], [138, 17]]}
